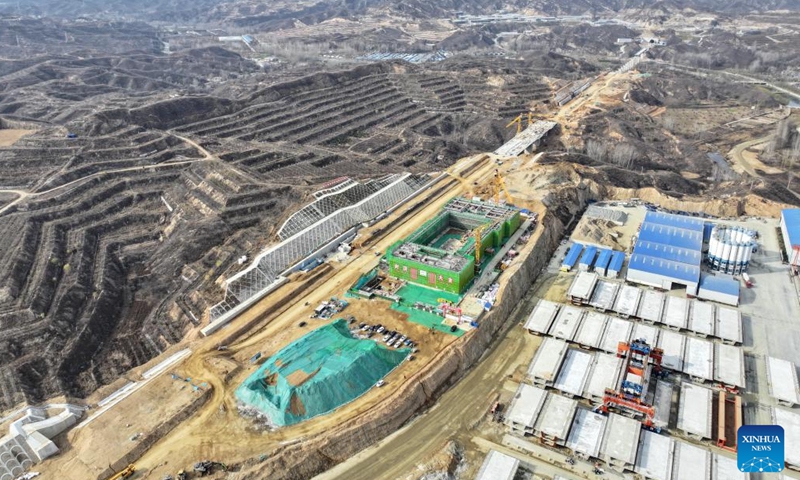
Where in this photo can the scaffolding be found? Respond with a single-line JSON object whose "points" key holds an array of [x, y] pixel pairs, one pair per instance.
{"points": [[341, 208]]}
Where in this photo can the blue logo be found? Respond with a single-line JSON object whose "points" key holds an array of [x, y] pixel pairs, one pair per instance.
{"points": [[760, 448]]}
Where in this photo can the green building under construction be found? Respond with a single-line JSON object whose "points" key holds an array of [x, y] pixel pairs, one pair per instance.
{"points": [[441, 253]]}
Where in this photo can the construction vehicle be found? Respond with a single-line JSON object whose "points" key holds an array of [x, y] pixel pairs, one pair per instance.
{"points": [[641, 361], [124, 473], [500, 185]]}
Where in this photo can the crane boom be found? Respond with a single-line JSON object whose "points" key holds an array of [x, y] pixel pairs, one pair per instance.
{"points": [[500, 185]]}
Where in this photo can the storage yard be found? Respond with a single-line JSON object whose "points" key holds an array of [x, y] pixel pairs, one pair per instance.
{"points": [[709, 369]]}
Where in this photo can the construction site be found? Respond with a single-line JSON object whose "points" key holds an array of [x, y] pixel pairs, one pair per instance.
{"points": [[467, 262]]}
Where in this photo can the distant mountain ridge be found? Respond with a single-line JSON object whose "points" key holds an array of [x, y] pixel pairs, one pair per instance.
{"points": [[278, 13]]}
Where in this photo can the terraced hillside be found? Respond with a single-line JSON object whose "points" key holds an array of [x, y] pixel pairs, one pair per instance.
{"points": [[116, 235]]}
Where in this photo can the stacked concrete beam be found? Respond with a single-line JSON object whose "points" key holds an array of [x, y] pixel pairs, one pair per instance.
{"points": [[586, 433], [552, 425], [651, 306], [574, 373], [620, 442], [654, 458], [566, 323], [606, 371], [617, 330], [542, 317], [546, 363], [695, 411], [783, 384], [592, 330], [525, 408]]}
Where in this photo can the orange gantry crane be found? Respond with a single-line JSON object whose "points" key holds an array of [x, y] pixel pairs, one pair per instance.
{"points": [[641, 362]]}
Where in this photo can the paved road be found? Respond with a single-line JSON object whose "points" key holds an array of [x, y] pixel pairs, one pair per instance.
{"points": [[455, 412]]}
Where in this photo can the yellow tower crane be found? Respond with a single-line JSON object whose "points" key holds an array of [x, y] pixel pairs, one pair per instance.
{"points": [[518, 121], [500, 185]]}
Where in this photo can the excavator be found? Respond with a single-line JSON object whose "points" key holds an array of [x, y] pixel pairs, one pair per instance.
{"points": [[124, 473]]}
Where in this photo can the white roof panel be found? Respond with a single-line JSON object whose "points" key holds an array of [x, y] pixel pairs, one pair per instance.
{"points": [[548, 358], [672, 345], [604, 294], [525, 406], [587, 432], [627, 302], [574, 372], [498, 466], [542, 316], [691, 462], [729, 365], [605, 374], [556, 416], [729, 324], [782, 378], [676, 312], [567, 322], [694, 412], [698, 359], [702, 318], [654, 459], [617, 330], [621, 438], [591, 330]]}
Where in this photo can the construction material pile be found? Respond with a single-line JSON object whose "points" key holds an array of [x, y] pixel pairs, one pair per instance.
{"points": [[317, 373]]}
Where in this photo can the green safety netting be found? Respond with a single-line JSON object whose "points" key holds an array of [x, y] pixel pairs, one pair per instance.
{"points": [[317, 373]]}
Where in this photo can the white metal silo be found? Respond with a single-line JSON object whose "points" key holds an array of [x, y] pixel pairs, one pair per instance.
{"points": [[726, 252]]}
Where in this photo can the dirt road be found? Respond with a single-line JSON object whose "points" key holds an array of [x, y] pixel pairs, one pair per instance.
{"points": [[218, 430], [453, 415]]}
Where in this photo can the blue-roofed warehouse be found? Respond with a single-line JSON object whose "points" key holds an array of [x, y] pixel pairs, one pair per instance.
{"points": [[602, 261], [587, 260], [615, 265], [719, 289], [669, 250], [790, 228], [573, 254]]}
